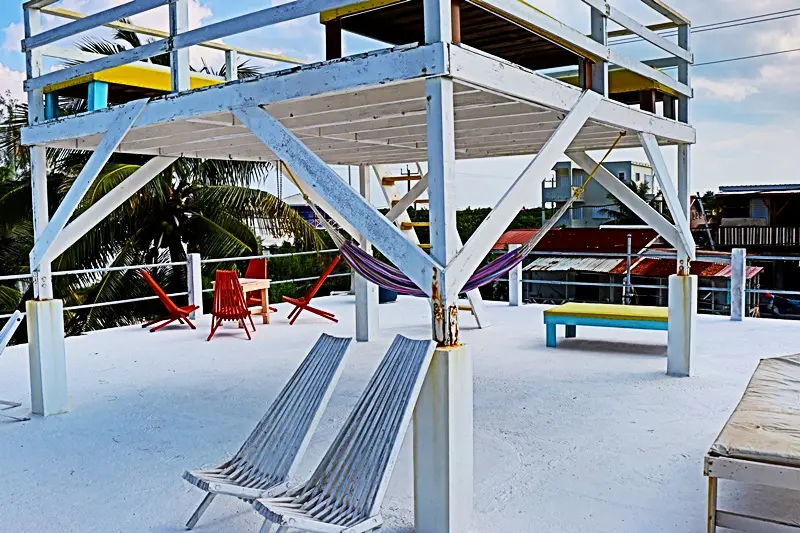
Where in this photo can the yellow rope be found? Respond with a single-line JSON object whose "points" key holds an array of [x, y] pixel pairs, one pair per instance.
{"points": [[580, 190]]}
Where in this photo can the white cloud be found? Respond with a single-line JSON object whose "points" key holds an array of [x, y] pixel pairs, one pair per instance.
{"points": [[732, 90], [14, 33], [11, 82]]}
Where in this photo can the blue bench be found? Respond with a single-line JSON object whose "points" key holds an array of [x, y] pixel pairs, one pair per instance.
{"points": [[574, 314]]}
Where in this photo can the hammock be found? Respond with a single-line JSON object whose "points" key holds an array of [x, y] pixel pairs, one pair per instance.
{"points": [[390, 277]]}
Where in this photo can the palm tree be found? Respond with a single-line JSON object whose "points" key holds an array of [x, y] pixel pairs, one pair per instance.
{"points": [[620, 214], [208, 206]]}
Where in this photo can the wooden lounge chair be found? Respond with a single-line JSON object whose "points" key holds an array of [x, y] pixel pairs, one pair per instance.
{"points": [[303, 303], [346, 490], [273, 450], [257, 269], [5, 337], [181, 314], [229, 303]]}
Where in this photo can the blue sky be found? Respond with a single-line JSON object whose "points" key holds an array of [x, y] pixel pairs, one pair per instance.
{"points": [[745, 112]]}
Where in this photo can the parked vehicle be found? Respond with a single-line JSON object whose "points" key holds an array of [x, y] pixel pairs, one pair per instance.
{"points": [[780, 306]]}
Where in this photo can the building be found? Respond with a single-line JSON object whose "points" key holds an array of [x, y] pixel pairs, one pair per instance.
{"points": [[559, 271], [592, 209], [765, 220]]}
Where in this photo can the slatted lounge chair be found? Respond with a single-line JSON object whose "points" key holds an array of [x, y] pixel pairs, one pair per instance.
{"points": [[273, 450], [346, 491], [304, 303], [181, 314], [229, 303], [760, 444], [5, 337]]}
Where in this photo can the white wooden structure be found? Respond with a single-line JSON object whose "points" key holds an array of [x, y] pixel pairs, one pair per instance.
{"points": [[436, 100]]}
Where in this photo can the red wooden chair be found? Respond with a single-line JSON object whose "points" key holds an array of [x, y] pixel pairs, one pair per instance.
{"points": [[181, 314], [256, 269], [301, 304], [229, 303]]}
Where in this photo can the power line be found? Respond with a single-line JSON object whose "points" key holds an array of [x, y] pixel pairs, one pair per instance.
{"points": [[730, 59], [733, 23]]}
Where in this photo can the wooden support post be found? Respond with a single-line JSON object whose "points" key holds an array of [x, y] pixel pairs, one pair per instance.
{"points": [[515, 281], [669, 106], [738, 284], [33, 65], [194, 281], [647, 100], [51, 109], [455, 16], [231, 65], [179, 59], [333, 39], [367, 326], [97, 95], [599, 82], [42, 281]]}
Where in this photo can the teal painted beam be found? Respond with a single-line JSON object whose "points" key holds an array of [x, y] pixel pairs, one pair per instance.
{"points": [[98, 95]]}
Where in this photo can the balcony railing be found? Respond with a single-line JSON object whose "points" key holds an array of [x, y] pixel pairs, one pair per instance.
{"points": [[759, 236]]}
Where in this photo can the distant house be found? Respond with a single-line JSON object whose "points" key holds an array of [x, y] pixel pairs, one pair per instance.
{"points": [[566, 275], [298, 203], [591, 210]]}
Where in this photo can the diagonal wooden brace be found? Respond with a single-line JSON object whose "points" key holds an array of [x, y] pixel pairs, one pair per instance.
{"points": [[126, 116], [470, 256], [367, 220]]}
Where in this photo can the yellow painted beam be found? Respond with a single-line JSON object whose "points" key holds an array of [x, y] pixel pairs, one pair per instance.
{"points": [[623, 81], [156, 78], [352, 9]]}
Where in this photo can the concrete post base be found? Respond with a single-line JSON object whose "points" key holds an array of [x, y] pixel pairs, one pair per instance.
{"points": [[515, 281], [738, 283], [367, 326], [46, 353], [682, 324], [443, 445]]}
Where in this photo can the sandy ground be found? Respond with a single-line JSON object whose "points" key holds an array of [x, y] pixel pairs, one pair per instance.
{"points": [[590, 437]]}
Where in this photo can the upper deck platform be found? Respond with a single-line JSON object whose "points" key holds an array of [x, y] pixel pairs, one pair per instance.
{"points": [[371, 108]]}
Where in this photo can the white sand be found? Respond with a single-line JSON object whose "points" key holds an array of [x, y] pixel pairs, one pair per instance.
{"points": [[590, 437]]}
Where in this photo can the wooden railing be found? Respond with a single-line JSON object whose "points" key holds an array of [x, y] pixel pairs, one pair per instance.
{"points": [[758, 236]]}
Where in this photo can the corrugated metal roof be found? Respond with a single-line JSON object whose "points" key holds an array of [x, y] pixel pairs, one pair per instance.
{"points": [[662, 268], [574, 264], [580, 239]]}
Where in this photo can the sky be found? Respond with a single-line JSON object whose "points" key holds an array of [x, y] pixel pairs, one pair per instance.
{"points": [[745, 112]]}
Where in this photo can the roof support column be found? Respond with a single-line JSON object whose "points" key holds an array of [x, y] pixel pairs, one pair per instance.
{"points": [[179, 59], [443, 425], [600, 68], [366, 293]]}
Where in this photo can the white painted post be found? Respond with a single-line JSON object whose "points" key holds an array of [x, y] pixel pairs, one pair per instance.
{"points": [[179, 59], [367, 316], [738, 283], [443, 444], [232, 67], [682, 324], [46, 351], [600, 69], [443, 425], [515, 281], [194, 279]]}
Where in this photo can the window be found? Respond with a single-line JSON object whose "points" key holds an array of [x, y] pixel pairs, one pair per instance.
{"points": [[550, 183], [577, 179], [638, 177], [577, 213], [563, 182], [621, 176]]}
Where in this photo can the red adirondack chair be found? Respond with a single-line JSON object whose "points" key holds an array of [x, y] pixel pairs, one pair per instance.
{"points": [[181, 314], [256, 269], [229, 303], [303, 303]]}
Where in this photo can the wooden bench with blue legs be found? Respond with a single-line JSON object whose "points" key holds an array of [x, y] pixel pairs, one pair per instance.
{"points": [[573, 314]]}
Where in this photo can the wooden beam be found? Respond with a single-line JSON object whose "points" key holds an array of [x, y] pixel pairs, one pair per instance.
{"points": [[656, 158], [481, 242], [125, 116], [647, 100], [661, 26], [455, 6], [621, 191], [98, 211], [667, 11], [367, 220], [410, 198], [90, 22]]}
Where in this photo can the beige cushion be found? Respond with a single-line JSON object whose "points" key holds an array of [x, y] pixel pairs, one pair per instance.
{"points": [[765, 426]]}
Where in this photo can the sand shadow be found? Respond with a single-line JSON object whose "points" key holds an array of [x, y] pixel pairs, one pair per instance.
{"points": [[613, 347]]}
